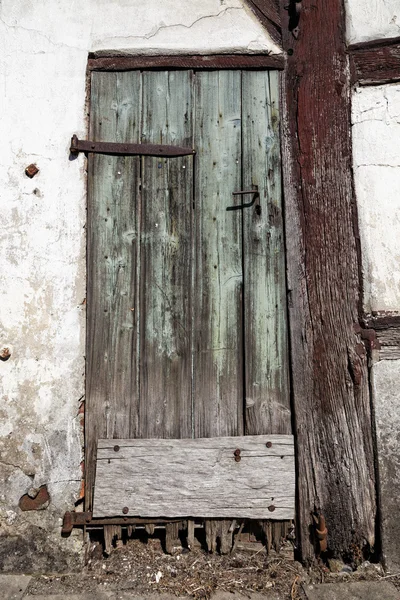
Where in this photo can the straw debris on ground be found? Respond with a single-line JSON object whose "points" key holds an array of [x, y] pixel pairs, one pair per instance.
{"points": [[144, 568]]}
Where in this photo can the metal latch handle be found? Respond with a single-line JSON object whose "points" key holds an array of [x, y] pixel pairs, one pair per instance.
{"points": [[243, 192]]}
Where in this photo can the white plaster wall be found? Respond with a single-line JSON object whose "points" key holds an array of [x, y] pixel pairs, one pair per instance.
{"points": [[44, 46], [372, 19], [386, 378], [376, 159]]}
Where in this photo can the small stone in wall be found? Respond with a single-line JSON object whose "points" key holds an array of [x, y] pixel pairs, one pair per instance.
{"points": [[35, 499], [31, 170], [5, 353]]}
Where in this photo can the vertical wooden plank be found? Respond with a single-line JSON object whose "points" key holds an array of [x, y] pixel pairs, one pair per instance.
{"points": [[166, 241], [335, 452], [111, 404], [266, 353], [217, 357]]}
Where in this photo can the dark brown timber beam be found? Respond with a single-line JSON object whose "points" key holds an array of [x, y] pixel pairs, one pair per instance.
{"points": [[374, 63], [267, 12], [335, 457], [214, 61]]}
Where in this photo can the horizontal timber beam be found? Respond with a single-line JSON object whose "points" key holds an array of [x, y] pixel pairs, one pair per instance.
{"points": [[376, 62], [382, 320], [214, 61]]}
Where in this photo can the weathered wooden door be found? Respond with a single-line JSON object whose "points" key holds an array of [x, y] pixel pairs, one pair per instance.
{"points": [[186, 281]]}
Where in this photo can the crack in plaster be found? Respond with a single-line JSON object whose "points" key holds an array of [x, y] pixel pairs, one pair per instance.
{"points": [[17, 467], [50, 482], [40, 33], [153, 33], [377, 165]]}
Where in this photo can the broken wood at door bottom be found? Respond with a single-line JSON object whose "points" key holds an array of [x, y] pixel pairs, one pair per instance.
{"points": [[246, 477]]}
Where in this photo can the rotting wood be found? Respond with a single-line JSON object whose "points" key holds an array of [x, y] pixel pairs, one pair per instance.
{"points": [[389, 343], [138, 412], [219, 535], [149, 528], [389, 353], [375, 62], [112, 265], [217, 331], [266, 344], [112, 533], [196, 478], [214, 61], [335, 458], [172, 540], [190, 533], [388, 337], [382, 320], [164, 308]]}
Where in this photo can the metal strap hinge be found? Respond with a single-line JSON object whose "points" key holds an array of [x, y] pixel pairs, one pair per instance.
{"points": [[126, 149]]}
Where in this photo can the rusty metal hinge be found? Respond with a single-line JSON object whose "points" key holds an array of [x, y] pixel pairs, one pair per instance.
{"points": [[127, 149]]}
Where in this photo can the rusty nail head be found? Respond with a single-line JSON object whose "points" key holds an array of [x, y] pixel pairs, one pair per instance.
{"points": [[125, 510], [116, 448], [269, 444], [237, 452], [31, 171], [5, 353], [238, 458], [271, 508]]}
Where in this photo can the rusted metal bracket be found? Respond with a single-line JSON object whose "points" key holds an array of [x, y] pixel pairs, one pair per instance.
{"points": [[85, 519], [321, 532], [78, 145]]}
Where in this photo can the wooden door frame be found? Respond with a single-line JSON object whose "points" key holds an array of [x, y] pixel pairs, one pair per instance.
{"points": [[330, 336], [313, 479]]}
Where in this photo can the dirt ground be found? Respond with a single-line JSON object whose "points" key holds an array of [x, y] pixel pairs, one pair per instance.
{"points": [[142, 567]]}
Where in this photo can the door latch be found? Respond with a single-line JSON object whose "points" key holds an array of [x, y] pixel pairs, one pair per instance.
{"points": [[128, 149]]}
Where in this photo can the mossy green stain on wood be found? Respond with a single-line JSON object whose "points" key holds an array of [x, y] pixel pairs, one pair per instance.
{"points": [[187, 314]]}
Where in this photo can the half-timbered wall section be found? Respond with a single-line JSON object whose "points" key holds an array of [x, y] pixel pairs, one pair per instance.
{"points": [[342, 217], [374, 51], [45, 48]]}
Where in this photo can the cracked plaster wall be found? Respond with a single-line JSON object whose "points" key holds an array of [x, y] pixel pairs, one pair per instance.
{"points": [[376, 161], [372, 20], [43, 54]]}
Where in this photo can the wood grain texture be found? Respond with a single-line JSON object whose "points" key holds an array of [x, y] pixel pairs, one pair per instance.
{"points": [[382, 321], [331, 401], [389, 353], [388, 337], [376, 62], [267, 12], [112, 264], [197, 478], [217, 343], [265, 346], [165, 404], [195, 61], [166, 258]]}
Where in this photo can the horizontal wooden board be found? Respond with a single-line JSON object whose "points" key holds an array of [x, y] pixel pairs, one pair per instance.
{"points": [[196, 478], [375, 62], [100, 62]]}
